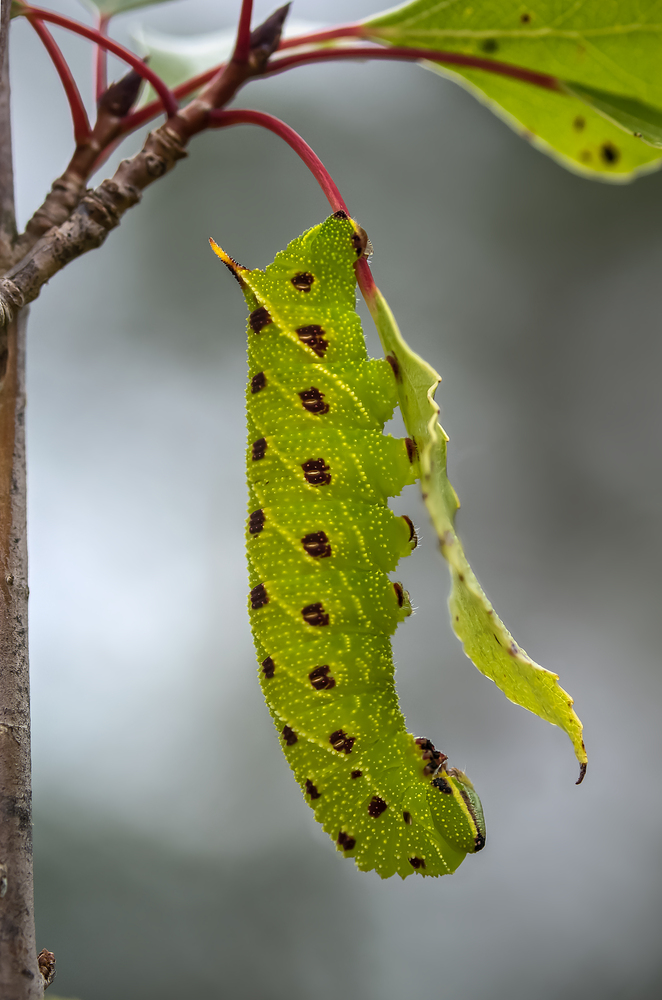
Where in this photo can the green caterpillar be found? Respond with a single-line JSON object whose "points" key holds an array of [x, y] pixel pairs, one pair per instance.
{"points": [[321, 542]]}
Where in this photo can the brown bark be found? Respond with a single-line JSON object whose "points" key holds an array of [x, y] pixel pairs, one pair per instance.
{"points": [[20, 978]]}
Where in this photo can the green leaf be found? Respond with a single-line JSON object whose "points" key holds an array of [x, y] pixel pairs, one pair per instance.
{"points": [[108, 8], [642, 120], [614, 48], [485, 638]]}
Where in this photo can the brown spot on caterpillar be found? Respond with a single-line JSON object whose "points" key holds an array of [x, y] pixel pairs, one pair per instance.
{"points": [[312, 400], [316, 472], [268, 668], [490, 45], [319, 678], [316, 544], [407, 818], [258, 382], [412, 450], [513, 649], [399, 593], [340, 214], [586, 156], [356, 774], [395, 365], [258, 319], [460, 577], [311, 790], [341, 742], [314, 614], [313, 336], [579, 123], [413, 537], [302, 281], [289, 736], [256, 522], [442, 785], [417, 862], [376, 806], [345, 841], [259, 448], [259, 596], [609, 153]]}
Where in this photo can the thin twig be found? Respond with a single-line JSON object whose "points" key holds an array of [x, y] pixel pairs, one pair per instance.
{"points": [[78, 113]]}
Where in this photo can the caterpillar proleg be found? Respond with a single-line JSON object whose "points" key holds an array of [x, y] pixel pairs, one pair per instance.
{"points": [[321, 543]]}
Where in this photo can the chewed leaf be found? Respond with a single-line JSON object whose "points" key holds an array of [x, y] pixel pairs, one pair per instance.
{"points": [[486, 640], [612, 48], [110, 7]]}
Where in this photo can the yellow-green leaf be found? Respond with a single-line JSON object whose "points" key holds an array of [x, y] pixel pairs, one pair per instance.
{"points": [[615, 48], [485, 638]]}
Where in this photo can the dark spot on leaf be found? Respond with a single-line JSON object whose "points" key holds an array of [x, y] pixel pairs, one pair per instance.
{"points": [[258, 382], [319, 678], [256, 522], [407, 818], [341, 742], [490, 45], [313, 336], [579, 123], [316, 544], [259, 448], [376, 806], [259, 596], [430, 753], [417, 862], [302, 281], [395, 365], [399, 593], [289, 736], [356, 774], [345, 841], [316, 472], [313, 400], [268, 668], [412, 450], [609, 153], [525, 18], [314, 614], [311, 790], [258, 319]]}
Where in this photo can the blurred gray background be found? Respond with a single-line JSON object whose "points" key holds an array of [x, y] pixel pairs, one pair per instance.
{"points": [[175, 856]]}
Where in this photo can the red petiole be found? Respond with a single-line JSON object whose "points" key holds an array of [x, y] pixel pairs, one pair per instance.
{"points": [[78, 113]]}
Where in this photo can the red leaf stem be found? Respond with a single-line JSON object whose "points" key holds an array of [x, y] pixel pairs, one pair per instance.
{"points": [[101, 63], [242, 47], [78, 113], [400, 52], [328, 34], [245, 116], [167, 98]]}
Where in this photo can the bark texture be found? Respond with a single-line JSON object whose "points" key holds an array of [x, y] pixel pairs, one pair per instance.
{"points": [[20, 977]]}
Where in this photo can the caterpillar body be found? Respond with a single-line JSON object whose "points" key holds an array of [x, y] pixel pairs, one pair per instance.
{"points": [[321, 542]]}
